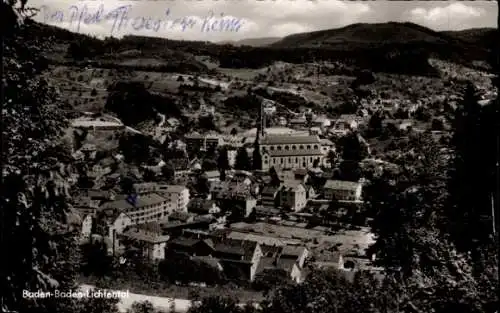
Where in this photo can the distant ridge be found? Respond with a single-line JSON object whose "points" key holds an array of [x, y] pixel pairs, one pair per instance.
{"points": [[377, 33], [253, 42]]}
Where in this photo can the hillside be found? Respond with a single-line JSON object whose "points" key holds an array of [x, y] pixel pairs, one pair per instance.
{"points": [[130, 53], [481, 37], [362, 34], [402, 48], [253, 42]]}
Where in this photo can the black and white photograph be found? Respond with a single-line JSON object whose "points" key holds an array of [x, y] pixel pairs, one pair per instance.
{"points": [[250, 156]]}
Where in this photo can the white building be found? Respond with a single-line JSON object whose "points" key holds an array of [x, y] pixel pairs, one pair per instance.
{"points": [[343, 190], [142, 209], [293, 195], [289, 152], [177, 196]]}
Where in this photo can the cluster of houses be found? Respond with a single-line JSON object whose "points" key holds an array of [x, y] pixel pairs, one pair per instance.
{"points": [[160, 220]]}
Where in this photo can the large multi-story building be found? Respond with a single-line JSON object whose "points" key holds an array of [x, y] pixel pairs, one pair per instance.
{"points": [[142, 208], [176, 195], [289, 151]]}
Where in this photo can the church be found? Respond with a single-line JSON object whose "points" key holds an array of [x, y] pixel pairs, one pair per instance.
{"points": [[290, 151]]}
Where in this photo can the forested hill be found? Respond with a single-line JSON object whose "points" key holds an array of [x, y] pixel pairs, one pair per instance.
{"points": [[387, 47]]}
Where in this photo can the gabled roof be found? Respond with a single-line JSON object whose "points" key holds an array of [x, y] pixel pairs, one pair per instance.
{"points": [[289, 139], [292, 251], [292, 185], [184, 242], [110, 215], [152, 227], [342, 185], [240, 248], [141, 201], [171, 188], [144, 236], [181, 216], [270, 190], [293, 153], [326, 142]]}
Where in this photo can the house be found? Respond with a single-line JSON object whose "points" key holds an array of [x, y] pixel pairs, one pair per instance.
{"points": [[182, 217], [293, 195], [99, 195], [270, 196], [296, 253], [239, 259], [145, 188], [196, 141], [111, 223], [86, 205], [201, 206], [86, 230], [342, 190], [235, 196], [242, 177], [212, 176], [177, 196], [326, 146], [98, 170], [299, 174], [142, 208], [322, 122], [89, 150], [267, 212], [191, 246], [310, 192], [288, 260], [336, 262], [147, 238]]}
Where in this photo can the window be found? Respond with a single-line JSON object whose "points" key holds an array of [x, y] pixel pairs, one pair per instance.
{"points": [[289, 160], [287, 147], [294, 147], [315, 146], [301, 147], [308, 147], [281, 160], [265, 162], [279, 148], [296, 160], [272, 148]]}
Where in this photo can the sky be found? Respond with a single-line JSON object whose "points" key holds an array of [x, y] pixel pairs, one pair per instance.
{"points": [[241, 19]]}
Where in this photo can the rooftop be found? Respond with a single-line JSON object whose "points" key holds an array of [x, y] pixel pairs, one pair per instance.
{"points": [[94, 123], [285, 153], [342, 185], [287, 139], [172, 188], [141, 201], [241, 248], [141, 235], [270, 190], [260, 239]]}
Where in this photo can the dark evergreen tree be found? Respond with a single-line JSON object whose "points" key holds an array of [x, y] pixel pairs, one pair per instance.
{"points": [[223, 162], [242, 160], [472, 179], [256, 158], [275, 180]]}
